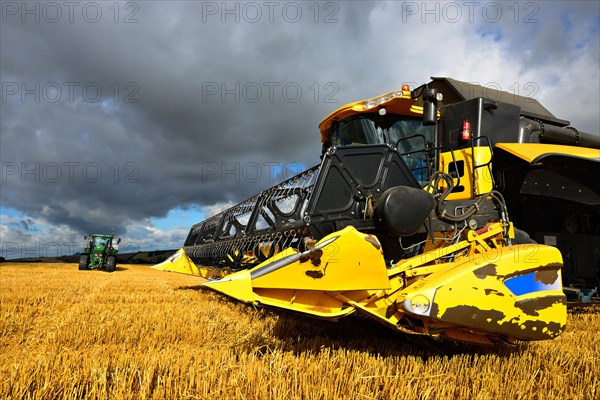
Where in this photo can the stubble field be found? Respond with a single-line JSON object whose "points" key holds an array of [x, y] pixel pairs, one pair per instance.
{"points": [[139, 333]]}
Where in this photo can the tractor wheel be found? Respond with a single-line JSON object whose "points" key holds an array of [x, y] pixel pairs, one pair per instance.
{"points": [[111, 264], [84, 262]]}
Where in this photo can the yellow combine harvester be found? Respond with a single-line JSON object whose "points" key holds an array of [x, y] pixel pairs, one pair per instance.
{"points": [[405, 221]]}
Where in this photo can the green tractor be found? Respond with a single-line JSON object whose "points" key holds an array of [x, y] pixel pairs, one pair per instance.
{"points": [[99, 253]]}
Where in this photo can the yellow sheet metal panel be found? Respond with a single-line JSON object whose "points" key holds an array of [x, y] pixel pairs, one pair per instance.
{"points": [[314, 303], [514, 291], [344, 260], [532, 151], [237, 285], [178, 262], [465, 159]]}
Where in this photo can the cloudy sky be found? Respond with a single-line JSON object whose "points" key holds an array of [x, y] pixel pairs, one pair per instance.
{"points": [[142, 117]]}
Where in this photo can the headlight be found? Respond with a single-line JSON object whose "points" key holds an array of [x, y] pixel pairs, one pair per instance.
{"points": [[420, 303], [375, 101]]}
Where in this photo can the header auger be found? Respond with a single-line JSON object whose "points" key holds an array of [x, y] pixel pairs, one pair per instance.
{"points": [[405, 221]]}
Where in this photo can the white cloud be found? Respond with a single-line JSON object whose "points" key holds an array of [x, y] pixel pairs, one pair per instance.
{"points": [[214, 209], [23, 237]]}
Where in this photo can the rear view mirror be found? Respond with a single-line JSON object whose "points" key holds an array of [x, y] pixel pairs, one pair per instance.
{"points": [[430, 105]]}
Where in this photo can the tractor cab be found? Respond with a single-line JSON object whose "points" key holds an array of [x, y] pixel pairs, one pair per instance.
{"points": [[100, 242]]}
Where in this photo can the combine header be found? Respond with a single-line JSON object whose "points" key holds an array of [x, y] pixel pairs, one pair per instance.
{"points": [[405, 222]]}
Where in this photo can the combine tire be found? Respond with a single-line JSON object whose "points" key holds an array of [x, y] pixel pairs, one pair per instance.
{"points": [[84, 261], [111, 264]]}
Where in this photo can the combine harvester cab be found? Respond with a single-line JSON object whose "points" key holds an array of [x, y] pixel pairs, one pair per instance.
{"points": [[391, 225]]}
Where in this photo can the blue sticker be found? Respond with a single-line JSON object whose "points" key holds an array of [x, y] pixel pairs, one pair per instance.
{"points": [[524, 284]]}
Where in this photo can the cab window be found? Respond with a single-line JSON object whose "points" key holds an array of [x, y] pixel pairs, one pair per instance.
{"points": [[407, 134]]}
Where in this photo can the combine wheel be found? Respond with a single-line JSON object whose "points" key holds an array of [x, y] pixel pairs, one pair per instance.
{"points": [[84, 262], [111, 264]]}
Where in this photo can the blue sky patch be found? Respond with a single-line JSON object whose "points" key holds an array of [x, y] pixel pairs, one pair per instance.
{"points": [[178, 217]]}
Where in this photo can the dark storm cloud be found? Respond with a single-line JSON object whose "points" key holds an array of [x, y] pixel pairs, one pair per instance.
{"points": [[164, 134], [158, 130]]}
